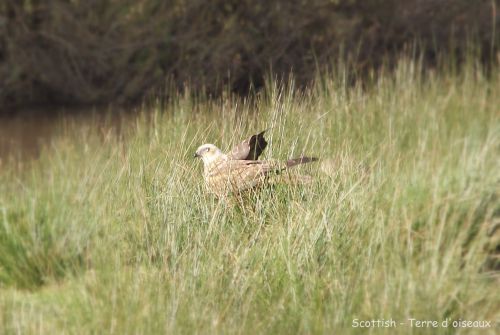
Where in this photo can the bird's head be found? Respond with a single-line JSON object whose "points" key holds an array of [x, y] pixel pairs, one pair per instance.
{"points": [[208, 153]]}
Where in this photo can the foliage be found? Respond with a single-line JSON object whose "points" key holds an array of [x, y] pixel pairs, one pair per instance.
{"points": [[61, 51]]}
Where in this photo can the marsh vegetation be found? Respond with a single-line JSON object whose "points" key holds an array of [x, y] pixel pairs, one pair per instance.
{"points": [[112, 231]]}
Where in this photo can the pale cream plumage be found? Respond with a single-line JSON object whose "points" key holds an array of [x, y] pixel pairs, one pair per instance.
{"points": [[224, 174]]}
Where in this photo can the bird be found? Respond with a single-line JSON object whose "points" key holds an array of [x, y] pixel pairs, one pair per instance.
{"points": [[249, 149], [240, 170]]}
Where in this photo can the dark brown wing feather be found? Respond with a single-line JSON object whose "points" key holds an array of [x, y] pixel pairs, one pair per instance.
{"points": [[300, 160], [249, 149]]}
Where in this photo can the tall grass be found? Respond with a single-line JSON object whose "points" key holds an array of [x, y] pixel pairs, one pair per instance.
{"points": [[112, 232]]}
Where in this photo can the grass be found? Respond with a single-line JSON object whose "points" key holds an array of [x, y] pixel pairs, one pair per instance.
{"points": [[112, 231]]}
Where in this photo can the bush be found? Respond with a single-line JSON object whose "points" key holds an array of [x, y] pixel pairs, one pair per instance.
{"points": [[62, 51]]}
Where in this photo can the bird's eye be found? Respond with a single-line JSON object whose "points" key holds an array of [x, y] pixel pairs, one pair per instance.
{"points": [[207, 149]]}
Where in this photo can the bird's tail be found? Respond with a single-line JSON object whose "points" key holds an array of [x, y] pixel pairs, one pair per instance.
{"points": [[291, 179], [300, 160]]}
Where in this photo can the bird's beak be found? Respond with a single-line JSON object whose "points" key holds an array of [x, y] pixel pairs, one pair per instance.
{"points": [[196, 155]]}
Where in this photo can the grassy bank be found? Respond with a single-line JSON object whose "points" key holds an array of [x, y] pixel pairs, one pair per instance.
{"points": [[110, 231]]}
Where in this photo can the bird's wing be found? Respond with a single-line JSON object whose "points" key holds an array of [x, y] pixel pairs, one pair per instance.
{"points": [[238, 175], [235, 176], [249, 149]]}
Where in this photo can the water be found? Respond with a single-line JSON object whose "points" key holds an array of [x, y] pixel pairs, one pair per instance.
{"points": [[24, 135], [21, 137]]}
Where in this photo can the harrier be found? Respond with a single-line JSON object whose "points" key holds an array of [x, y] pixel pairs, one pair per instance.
{"points": [[240, 170]]}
